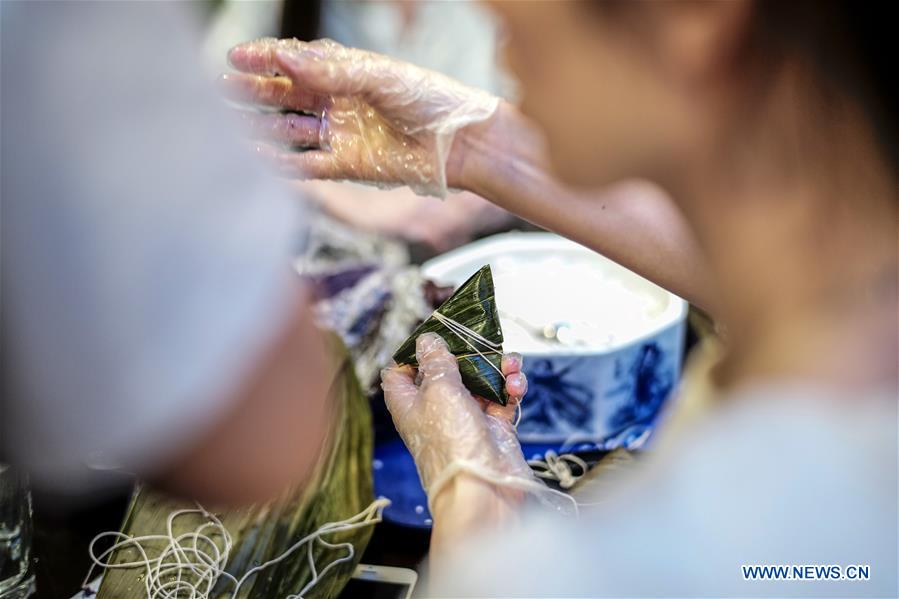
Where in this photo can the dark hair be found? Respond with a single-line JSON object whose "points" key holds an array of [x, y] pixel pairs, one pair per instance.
{"points": [[848, 44]]}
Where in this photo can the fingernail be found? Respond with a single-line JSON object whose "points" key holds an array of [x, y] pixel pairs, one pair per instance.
{"points": [[513, 361], [519, 380]]}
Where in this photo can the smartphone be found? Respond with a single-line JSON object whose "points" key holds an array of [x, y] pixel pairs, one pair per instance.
{"points": [[380, 582]]}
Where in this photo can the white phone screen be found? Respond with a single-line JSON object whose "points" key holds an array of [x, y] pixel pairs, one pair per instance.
{"points": [[358, 588]]}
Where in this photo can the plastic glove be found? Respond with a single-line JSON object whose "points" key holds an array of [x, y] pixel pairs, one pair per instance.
{"points": [[448, 431], [376, 119]]}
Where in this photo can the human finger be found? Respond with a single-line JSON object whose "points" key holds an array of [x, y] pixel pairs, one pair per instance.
{"points": [[435, 362], [516, 384], [308, 164], [257, 56], [398, 383], [322, 65], [277, 92], [506, 413], [288, 129], [332, 69], [511, 363]]}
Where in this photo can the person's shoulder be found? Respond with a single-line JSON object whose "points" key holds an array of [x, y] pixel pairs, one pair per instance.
{"points": [[796, 435], [809, 421], [776, 475], [788, 474]]}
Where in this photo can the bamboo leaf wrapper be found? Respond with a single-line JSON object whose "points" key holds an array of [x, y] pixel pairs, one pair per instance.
{"points": [[473, 305]]}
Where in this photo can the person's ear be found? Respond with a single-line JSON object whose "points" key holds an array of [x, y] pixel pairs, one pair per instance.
{"points": [[698, 41]]}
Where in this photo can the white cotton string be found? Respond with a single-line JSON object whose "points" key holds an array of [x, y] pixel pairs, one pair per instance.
{"points": [[463, 333], [367, 517], [450, 323], [466, 335], [558, 467], [189, 565], [517, 413]]}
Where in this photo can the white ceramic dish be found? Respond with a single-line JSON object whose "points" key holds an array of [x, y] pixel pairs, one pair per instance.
{"points": [[615, 340]]}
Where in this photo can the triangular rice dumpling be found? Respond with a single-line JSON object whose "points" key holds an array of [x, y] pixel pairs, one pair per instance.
{"points": [[473, 305]]}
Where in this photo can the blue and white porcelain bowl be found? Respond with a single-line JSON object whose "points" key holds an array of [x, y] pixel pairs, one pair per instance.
{"points": [[602, 346], [602, 352]]}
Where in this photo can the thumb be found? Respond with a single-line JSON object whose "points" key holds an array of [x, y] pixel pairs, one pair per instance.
{"points": [[435, 362], [399, 390]]}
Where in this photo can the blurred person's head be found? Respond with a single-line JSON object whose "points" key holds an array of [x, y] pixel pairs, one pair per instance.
{"points": [[773, 125], [637, 88]]}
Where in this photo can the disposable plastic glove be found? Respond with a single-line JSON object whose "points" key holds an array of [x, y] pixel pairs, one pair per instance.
{"points": [[448, 431], [375, 119]]}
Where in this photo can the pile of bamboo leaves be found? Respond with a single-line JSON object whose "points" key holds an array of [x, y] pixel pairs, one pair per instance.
{"points": [[340, 488]]}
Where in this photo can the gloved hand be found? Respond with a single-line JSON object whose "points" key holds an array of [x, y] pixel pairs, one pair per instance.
{"points": [[376, 119], [448, 431]]}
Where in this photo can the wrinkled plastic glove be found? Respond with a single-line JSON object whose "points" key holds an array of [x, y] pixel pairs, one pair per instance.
{"points": [[448, 431], [373, 119]]}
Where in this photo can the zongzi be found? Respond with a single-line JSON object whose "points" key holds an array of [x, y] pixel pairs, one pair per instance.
{"points": [[469, 323]]}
